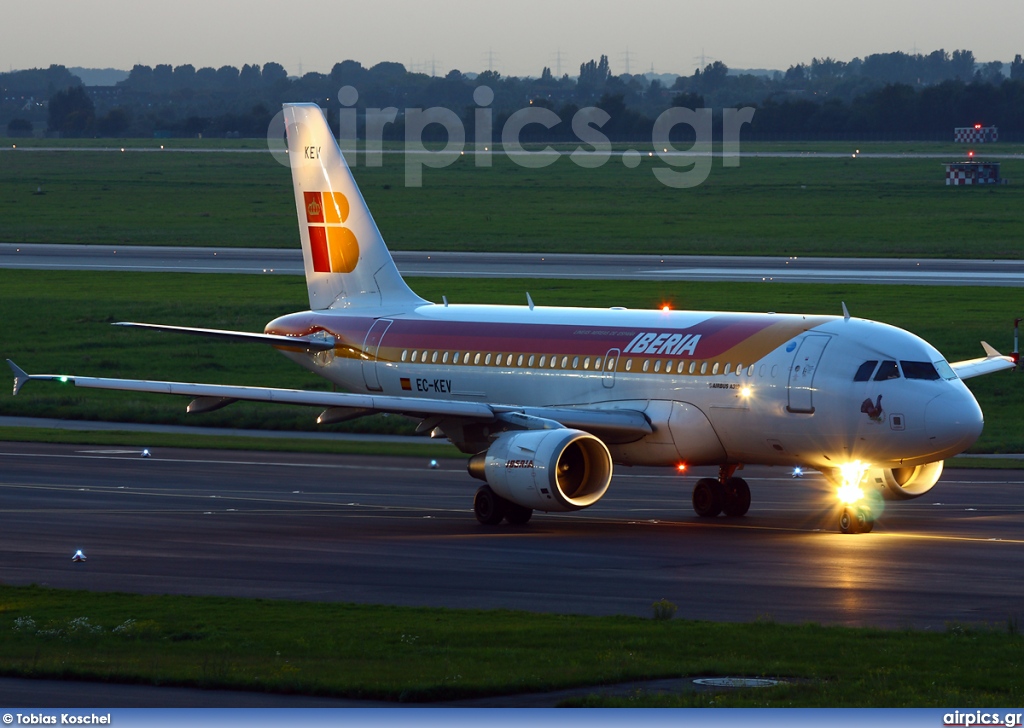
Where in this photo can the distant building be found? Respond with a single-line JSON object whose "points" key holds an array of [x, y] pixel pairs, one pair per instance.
{"points": [[972, 173], [976, 134]]}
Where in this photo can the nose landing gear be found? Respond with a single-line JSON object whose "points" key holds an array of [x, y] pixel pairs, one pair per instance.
{"points": [[856, 519]]}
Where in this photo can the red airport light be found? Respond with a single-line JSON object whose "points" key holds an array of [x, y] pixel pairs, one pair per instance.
{"points": [[977, 126]]}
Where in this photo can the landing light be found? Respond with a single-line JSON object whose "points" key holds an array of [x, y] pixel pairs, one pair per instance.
{"points": [[745, 392], [798, 472], [852, 474]]}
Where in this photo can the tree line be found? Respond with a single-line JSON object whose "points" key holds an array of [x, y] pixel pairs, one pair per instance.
{"points": [[887, 95]]}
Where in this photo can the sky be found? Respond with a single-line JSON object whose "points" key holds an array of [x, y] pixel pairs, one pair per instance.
{"points": [[515, 37]]}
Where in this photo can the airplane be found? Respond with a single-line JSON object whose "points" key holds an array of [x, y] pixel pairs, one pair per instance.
{"points": [[547, 400]]}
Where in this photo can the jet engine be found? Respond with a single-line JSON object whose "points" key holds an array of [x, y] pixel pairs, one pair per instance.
{"points": [[547, 470], [904, 483]]}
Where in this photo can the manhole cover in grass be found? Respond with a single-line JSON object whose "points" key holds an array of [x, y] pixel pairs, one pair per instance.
{"points": [[735, 682]]}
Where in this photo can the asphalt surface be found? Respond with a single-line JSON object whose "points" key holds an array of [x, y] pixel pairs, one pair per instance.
{"points": [[395, 531], [268, 261]]}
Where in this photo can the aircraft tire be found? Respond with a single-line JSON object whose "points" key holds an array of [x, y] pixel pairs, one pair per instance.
{"points": [[848, 521], [707, 498], [488, 506], [864, 520], [737, 497], [517, 515]]}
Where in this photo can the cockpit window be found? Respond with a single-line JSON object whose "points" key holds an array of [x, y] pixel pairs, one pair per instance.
{"points": [[919, 370], [864, 373], [944, 369], [888, 370]]}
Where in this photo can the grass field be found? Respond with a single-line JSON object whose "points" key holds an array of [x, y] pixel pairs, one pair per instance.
{"points": [[59, 322], [409, 654], [803, 206]]}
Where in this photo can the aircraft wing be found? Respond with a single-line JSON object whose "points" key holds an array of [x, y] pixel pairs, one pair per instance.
{"points": [[993, 361], [207, 397], [316, 343]]}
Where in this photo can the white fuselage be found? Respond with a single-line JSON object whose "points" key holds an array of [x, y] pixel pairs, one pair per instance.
{"points": [[717, 387]]}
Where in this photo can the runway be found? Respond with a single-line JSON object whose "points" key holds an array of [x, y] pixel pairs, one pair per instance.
{"points": [[394, 531], [268, 261]]}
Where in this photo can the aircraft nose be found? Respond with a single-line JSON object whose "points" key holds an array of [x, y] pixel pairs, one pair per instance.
{"points": [[953, 421]]}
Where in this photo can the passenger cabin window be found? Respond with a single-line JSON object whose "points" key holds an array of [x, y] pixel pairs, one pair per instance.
{"points": [[433, 358], [919, 370], [405, 355], [629, 365], [888, 370], [864, 372]]}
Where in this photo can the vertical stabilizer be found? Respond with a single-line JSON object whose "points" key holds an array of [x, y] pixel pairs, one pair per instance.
{"points": [[347, 264]]}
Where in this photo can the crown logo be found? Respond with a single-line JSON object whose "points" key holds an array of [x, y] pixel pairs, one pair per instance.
{"points": [[313, 208]]}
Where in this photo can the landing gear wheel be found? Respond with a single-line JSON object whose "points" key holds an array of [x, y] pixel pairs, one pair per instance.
{"points": [[856, 519], [488, 506], [865, 521], [707, 498], [847, 523], [517, 515], [737, 497]]}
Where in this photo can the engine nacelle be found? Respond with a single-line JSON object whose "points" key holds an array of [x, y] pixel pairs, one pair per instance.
{"points": [[904, 483], [547, 470]]}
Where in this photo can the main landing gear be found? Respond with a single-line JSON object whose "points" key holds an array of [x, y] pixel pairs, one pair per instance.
{"points": [[728, 494], [491, 509], [856, 519]]}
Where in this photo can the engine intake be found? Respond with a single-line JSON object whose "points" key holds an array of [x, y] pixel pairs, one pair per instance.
{"points": [[547, 470], [905, 483]]}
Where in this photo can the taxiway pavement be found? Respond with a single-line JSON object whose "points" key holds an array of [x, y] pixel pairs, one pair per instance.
{"points": [[394, 531], [272, 261]]}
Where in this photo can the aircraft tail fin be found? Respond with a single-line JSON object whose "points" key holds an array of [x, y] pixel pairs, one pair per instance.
{"points": [[347, 263]]}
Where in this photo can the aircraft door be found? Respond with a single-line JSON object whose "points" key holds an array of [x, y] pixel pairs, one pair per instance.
{"points": [[611, 363], [802, 371], [370, 346]]}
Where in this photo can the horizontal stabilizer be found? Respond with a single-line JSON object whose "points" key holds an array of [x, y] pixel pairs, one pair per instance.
{"points": [[315, 343]]}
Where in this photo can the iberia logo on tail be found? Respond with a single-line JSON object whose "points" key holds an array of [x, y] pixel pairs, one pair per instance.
{"points": [[335, 248]]}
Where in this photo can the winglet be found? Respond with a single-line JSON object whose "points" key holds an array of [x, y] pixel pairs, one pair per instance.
{"points": [[989, 350], [20, 377]]}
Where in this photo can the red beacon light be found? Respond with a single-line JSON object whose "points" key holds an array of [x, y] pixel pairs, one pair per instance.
{"points": [[665, 308], [971, 154], [681, 468]]}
